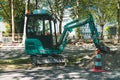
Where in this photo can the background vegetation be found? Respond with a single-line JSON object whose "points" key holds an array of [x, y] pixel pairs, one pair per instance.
{"points": [[104, 11]]}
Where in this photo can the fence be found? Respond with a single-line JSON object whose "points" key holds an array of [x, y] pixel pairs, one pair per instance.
{"points": [[8, 38]]}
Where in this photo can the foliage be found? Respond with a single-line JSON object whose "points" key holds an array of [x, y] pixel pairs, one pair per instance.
{"points": [[103, 11], [57, 9], [19, 6], [106, 29], [19, 10], [110, 31], [7, 31], [77, 32], [5, 13]]}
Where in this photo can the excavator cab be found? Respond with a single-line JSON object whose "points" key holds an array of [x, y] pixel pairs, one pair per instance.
{"points": [[41, 38], [39, 26]]}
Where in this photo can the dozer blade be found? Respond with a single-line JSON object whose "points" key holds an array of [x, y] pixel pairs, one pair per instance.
{"points": [[49, 59]]}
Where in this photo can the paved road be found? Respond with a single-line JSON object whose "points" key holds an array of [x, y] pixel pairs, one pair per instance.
{"points": [[58, 73]]}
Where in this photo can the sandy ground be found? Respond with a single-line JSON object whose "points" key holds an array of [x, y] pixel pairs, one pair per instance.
{"points": [[75, 72], [58, 73]]}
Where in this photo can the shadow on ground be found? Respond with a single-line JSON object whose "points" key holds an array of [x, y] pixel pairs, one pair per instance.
{"points": [[58, 73]]}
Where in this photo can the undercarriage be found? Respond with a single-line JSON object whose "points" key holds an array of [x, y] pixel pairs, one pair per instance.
{"points": [[57, 59]]}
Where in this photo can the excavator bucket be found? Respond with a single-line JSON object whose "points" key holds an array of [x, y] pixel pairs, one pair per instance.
{"points": [[103, 48]]}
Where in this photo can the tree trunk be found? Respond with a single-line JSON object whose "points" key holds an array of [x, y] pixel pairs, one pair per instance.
{"points": [[60, 26], [60, 22], [118, 19], [12, 14], [25, 21], [102, 33], [102, 26]]}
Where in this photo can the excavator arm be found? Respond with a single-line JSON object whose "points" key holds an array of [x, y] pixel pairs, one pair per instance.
{"points": [[94, 34]]}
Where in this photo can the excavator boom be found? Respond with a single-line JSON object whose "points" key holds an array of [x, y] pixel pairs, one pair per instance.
{"points": [[94, 34]]}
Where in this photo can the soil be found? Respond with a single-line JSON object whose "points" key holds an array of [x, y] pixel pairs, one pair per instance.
{"points": [[77, 55], [85, 57], [109, 61], [78, 67]]}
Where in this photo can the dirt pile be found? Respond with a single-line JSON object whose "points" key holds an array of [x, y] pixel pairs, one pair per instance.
{"points": [[109, 61]]}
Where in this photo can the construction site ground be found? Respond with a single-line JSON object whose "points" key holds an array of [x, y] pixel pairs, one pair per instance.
{"points": [[15, 64]]}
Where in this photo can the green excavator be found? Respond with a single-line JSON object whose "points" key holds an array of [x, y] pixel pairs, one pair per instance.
{"points": [[42, 42]]}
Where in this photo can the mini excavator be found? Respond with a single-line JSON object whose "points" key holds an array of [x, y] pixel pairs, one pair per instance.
{"points": [[42, 42]]}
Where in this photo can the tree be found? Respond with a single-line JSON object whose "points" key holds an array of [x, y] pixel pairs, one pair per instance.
{"points": [[6, 11], [19, 13], [118, 17], [25, 20], [103, 11], [13, 13], [57, 8]]}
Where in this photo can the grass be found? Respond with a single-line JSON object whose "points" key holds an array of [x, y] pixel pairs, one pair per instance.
{"points": [[9, 64], [15, 61], [73, 59]]}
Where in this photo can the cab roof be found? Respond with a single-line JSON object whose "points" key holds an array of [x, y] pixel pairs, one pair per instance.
{"points": [[41, 14]]}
